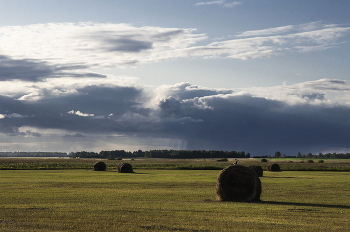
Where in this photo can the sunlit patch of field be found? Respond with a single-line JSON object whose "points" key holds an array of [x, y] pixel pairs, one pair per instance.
{"points": [[169, 200]]}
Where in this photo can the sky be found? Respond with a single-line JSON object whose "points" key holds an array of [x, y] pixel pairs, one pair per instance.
{"points": [[258, 76]]}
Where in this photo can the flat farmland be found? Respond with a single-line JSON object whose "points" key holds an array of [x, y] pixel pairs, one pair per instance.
{"points": [[169, 200], [291, 164]]}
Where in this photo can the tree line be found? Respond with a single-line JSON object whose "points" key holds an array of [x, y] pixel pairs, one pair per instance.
{"points": [[169, 154], [32, 154], [196, 154], [310, 155]]}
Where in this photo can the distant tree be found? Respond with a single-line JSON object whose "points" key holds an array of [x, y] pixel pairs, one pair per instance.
{"points": [[277, 154], [309, 155], [139, 153]]}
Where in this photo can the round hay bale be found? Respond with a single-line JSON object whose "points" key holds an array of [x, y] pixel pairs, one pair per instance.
{"points": [[257, 169], [100, 166], [125, 168], [273, 168], [238, 183]]}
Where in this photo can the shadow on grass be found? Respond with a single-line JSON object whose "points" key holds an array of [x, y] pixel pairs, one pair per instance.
{"points": [[284, 177], [287, 203], [304, 204]]}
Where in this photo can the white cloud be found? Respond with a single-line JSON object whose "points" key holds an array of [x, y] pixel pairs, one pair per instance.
{"points": [[321, 36], [320, 92], [264, 32], [284, 29], [13, 115], [59, 87], [74, 48], [220, 2], [313, 48], [80, 113], [232, 4], [94, 44], [266, 46]]}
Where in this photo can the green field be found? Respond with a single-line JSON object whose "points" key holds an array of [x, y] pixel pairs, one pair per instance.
{"points": [[291, 164], [169, 200]]}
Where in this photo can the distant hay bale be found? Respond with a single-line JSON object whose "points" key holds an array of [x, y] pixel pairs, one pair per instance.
{"points": [[273, 168], [125, 168], [100, 166], [257, 169], [238, 183]]}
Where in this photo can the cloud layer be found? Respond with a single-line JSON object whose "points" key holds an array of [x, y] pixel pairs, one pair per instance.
{"points": [[301, 119], [94, 44], [49, 98], [70, 49]]}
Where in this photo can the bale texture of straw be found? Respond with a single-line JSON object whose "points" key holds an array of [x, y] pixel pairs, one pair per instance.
{"points": [[273, 168], [257, 169], [238, 183], [100, 166], [125, 168]]}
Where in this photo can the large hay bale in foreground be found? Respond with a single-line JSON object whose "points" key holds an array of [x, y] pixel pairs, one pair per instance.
{"points": [[238, 183], [125, 168], [273, 168], [257, 169], [100, 166]]}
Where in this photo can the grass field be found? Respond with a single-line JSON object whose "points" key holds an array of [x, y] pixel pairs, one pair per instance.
{"points": [[171, 164], [169, 200]]}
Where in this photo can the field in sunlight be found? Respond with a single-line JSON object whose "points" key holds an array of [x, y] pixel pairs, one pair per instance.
{"points": [[169, 200]]}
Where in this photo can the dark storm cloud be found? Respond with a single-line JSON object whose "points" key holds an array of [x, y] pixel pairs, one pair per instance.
{"points": [[170, 106], [16, 114], [257, 125], [12, 107], [205, 119], [13, 112], [92, 109], [97, 100], [35, 71]]}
